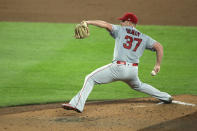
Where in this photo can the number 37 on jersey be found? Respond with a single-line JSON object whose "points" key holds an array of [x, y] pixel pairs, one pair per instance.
{"points": [[130, 40]]}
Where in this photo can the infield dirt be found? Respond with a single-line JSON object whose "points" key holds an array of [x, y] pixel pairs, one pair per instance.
{"points": [[119, 115], [128, 115]]}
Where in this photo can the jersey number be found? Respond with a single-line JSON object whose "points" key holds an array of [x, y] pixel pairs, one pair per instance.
{"points": [[130, 40]]}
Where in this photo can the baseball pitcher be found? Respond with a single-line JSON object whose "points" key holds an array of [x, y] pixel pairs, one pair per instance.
{"points": [[130, 44]]}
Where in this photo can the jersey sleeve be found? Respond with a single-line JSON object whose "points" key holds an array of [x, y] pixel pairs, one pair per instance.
{"points": [[150, 43], [115, 31]]}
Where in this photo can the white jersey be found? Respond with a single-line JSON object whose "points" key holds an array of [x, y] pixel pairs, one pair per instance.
{"points": [[130, 43]]}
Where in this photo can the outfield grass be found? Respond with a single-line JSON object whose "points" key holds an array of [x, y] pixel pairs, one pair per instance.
{"points": [[43, 63]]}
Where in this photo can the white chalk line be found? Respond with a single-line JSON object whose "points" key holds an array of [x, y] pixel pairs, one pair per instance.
{"points": [[175, 102], [180, 103]]}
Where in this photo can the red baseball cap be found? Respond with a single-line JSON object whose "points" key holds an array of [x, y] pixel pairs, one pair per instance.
{"points": [[129, 17]]}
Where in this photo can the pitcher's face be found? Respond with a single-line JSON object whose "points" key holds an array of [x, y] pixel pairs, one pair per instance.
{"points": [[127, 23]]}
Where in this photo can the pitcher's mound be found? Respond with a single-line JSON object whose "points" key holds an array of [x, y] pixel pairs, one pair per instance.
{"points": [[130, 114]]}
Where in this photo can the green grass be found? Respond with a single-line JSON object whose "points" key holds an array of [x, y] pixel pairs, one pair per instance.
{"points": [[43, 63]]}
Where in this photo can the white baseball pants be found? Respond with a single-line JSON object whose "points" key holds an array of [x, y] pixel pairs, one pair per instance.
{"points": [[115, 72]]}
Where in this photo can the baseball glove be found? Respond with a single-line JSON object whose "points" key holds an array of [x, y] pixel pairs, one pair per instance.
{"points": [[81, 30]]}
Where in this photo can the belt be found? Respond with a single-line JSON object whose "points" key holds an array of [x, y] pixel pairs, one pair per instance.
{"points": [[124, 63]]}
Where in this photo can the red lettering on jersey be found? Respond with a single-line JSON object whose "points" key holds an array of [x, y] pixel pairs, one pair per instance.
{"points": [[128, 31], [133, 32], [139, 41], [130, 40], [138, 34]]}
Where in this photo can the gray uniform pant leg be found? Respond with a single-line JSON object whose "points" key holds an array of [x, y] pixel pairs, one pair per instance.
{"points": [[148, 89], [114, 72], [101, 75]]}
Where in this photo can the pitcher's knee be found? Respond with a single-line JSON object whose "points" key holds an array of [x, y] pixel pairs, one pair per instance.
{"points": [[90, 79], [136, 85]]}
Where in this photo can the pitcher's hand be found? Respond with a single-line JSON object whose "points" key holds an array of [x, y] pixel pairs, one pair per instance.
{"points": [[157, 68]]}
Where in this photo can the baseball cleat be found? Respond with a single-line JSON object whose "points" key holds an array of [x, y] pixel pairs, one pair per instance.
{"points": [[69, 107], [167, 101]]}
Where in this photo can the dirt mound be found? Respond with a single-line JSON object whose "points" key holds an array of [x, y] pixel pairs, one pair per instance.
{"points": [[130, 114]]}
